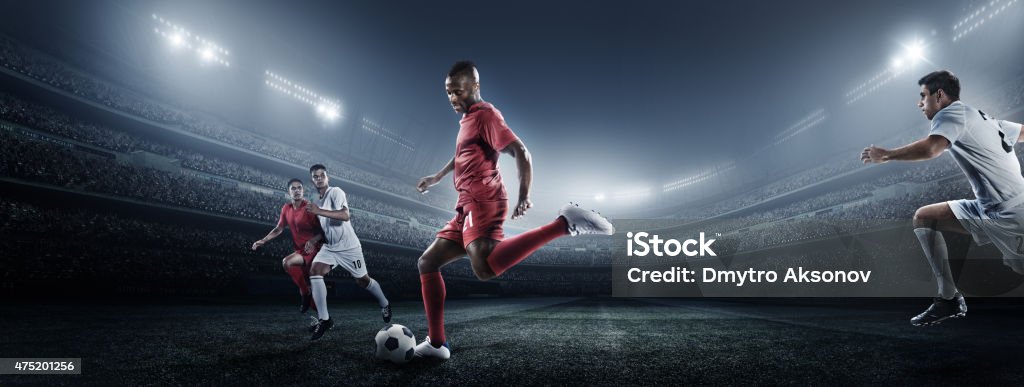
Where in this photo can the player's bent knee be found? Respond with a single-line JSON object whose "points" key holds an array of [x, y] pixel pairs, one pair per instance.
{"points": [[319, 269], [921, 218], [930, 215], [426, 265], [483, 274], [363, 281]]}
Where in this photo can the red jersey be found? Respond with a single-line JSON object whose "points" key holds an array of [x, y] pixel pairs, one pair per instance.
{"points": [[482, 135], [304, 225]]}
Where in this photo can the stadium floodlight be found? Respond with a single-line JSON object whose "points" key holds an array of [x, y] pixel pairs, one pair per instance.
{"points": [[897, 63], [915, 51], [912, 54], [815, 118], [177, 40], [329, 110], [178, 36], [704, 175], [976, 19], [379, 130], [599, 198]]}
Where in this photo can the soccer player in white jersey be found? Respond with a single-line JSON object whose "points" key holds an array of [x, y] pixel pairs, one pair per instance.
{"points": [[983, 147], [341, 248]]}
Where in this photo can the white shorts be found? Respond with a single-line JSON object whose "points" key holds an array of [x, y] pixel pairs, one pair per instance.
{"points": [[351, 259], [1002, 227]]}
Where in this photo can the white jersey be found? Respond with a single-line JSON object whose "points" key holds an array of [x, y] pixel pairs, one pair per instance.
{"points": [[983, 147], [338, 234]]}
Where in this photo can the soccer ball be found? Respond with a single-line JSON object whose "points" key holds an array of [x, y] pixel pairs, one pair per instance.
{"points": [[396, 343]]}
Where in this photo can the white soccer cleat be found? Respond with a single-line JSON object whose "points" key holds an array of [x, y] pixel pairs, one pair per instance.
{"points": [[583, 222], [424, 349]]}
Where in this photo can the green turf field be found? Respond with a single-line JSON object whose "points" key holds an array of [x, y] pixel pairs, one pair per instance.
{"points": [[543, 341]]}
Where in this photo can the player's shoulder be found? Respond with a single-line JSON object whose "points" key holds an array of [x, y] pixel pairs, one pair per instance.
{"points": [[954, 113], [957, 108], [335, 190], [486, 110]]}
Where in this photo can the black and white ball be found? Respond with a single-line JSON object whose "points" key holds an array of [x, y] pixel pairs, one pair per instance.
{"points": [[396, 343]]}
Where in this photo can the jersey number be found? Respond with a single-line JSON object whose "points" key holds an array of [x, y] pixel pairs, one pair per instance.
{"points": [[358, 263], [468, 222], [1002, 136]]}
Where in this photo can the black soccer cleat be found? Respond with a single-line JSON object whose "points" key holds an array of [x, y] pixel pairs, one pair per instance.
{"points": [[941, 310], [307, 300], [385, 313], [321, 328]]}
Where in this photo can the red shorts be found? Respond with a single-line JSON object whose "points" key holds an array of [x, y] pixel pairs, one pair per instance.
{"points": [[474, 220], [308, 258]]}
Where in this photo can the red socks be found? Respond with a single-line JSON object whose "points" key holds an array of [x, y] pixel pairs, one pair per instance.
{"points": [[299, 277], [513, 250], [508, 253], [432, 287]]}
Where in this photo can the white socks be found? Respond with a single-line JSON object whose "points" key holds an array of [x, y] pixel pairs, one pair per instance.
{"points": [[934, 246], [316, 282], [374, 288], [319, 296]]}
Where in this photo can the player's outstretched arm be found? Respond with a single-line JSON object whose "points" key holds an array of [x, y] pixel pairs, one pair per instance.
{"points": [[924, 149], [524, 163], [273, 234], [429, 181]]}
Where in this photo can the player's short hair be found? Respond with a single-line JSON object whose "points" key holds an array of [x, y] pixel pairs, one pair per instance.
{"points": [[462, 68], [294, 180], [942, 80], [316, 167]]}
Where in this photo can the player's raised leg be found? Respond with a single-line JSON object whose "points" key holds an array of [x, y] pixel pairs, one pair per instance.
{"points": [[929, 222], [440, 253], [492, 258]]}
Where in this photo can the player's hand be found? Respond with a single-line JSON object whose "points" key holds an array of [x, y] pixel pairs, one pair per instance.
{"points": [[874, 155], [310, 247], [426, 182], [524, 204], [257, 244], [312, 208]]}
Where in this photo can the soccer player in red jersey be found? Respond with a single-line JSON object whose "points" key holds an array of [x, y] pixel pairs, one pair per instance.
{"points": [[306, 236], [482, 206]]}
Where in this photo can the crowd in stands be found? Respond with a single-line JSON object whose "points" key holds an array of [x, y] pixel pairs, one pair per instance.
{"points": [[63, 166], [48, 120], [48, 70], [55, 244]]}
